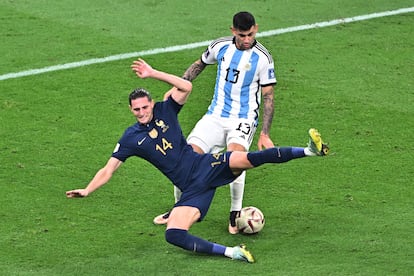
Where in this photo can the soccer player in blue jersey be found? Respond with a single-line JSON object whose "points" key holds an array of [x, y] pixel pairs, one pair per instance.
{"points": [[245, 74], [157, 137]]}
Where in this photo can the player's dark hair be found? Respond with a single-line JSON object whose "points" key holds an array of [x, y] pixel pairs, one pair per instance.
{"points": [[243, 21], [139, 93]]}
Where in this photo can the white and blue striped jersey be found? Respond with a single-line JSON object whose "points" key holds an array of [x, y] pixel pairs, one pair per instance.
{"points": [[240, 75]]}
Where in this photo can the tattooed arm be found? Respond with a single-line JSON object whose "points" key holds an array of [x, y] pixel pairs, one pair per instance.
{"points": [[194, 70], [268, 111]]}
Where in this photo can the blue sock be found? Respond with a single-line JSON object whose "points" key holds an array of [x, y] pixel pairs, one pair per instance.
{"points": [[218, 249], [298, 152], [275, 155], [183, 239]]}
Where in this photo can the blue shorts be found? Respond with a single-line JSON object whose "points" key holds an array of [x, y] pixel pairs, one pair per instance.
{"points": [[211, 171]]}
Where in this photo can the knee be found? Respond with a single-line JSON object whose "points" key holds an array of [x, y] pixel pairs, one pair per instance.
{"points": [[176, 236]]}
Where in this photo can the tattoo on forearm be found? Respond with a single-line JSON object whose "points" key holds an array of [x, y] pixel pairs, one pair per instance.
{"points": [[268, 111], [194, 70]]}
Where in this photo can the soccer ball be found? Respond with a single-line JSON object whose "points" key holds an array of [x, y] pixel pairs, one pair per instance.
{"points": [[250, 221]]}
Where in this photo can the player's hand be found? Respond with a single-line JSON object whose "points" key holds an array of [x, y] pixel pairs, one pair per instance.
{"points": [[141, 68], [77, 193], [264, 142]]}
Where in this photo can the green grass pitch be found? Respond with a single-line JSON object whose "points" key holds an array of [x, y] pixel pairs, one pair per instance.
{"points": [[348, 214]]}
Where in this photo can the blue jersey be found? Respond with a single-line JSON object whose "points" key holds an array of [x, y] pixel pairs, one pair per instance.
{"points": [[162, 143], [240, 75]]}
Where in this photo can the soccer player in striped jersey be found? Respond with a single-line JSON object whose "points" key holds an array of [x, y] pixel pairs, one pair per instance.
{"points": [[157, 137], [245, 75]]}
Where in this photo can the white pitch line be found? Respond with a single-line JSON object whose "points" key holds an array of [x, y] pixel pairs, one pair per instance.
{"points": [[200, 44]]}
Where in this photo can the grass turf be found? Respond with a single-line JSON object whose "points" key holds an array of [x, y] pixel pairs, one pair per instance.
{"points": [[347, 214]]}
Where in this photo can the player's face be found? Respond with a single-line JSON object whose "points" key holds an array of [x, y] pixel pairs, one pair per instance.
{"points": [[245, 39], [142, 109]]}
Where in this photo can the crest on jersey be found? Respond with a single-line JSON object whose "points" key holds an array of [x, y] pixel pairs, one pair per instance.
{"points": [[248, 66], [271, 73], [153, 133], [162, 125]]}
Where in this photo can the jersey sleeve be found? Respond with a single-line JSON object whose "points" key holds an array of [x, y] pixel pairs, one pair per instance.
{"points": [[171, 103], [210, 54], [124, 148], [121, 152], [267, 74]]}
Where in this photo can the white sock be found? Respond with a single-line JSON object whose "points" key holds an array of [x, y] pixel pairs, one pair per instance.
{"points": [[308, 152], [229, 252], [236, 192]]}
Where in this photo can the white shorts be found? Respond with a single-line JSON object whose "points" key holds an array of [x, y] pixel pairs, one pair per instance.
{"points": [[213, 134]]}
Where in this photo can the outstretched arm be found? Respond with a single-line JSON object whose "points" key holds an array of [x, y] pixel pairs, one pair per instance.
{"points": [[182, 87], [190, 74], [101, 177]]}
